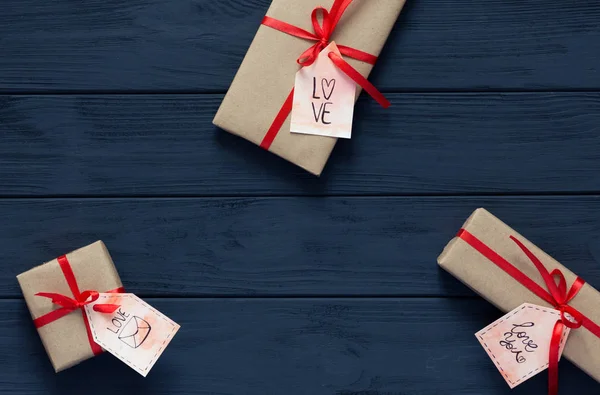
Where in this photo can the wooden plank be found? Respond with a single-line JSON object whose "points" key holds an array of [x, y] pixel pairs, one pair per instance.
{"points": [[157, 145], [197, 45], [286, 246], [297, 346]]}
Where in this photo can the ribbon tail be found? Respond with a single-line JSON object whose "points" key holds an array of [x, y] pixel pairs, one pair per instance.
{"points": [[357, 54], [554, 357], [550, 284], [359, 79], [505, 265], [575, 288], [285, 110], [106, 308], [58, 299]]}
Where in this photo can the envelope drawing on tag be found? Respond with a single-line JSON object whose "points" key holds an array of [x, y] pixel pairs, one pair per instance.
{"points": [[135, 332], [137, 341]]}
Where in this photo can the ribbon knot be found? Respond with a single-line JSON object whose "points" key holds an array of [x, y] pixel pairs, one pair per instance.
{"points": [[322, 32], [570, 316], [77, 302]]}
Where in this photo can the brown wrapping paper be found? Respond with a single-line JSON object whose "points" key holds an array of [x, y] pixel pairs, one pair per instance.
{"points": [[266, 76], [500, 289], [65, 339]]}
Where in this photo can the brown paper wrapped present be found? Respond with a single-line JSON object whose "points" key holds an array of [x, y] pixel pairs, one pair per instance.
{"points": [[266, 75], [65, 338], [479, 273]]}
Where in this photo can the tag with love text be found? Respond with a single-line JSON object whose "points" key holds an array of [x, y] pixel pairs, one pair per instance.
{"points": [[323, 99], [136, 333], [519, 342]]}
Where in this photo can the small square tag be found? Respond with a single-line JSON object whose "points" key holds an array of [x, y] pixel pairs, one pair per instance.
{"points": [[136, 333], [519, 342]]}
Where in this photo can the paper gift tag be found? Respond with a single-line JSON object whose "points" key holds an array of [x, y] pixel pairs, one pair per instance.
{"points": [[136, 333], [519, 342], [323, 99]]}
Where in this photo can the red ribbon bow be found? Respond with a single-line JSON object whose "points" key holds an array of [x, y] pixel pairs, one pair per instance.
{"points": [[79, 300], [322, 35], [85, 298], [557, 296]]}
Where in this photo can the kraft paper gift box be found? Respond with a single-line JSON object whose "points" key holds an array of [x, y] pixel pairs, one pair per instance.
{"points": [[491, 282], [65, 339], [266, 75]]}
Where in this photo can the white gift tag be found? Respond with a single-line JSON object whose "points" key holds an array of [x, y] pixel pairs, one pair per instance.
{"points": [[519, 342], [136, 333], [323, 99]]}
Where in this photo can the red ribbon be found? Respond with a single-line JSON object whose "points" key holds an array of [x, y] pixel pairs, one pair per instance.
{"points": [[322, 34], [79, 300], [557, 296]]}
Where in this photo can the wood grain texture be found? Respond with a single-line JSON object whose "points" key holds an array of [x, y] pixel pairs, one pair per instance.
{"points": [[165, 145], [285, 246], [197, 45], [300, 346]]}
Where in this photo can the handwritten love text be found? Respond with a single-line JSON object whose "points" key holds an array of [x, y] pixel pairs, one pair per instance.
{"points": [[518, 342], [327, 87]]}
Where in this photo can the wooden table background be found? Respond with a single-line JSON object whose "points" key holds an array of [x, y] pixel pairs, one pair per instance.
{"points": [[284, 283]]}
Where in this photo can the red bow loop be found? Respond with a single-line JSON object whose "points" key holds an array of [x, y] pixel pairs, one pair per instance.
{"points": [[359, 79], [83, 299], [556, 274], [322, 35], [71, 304], [323, 32]]}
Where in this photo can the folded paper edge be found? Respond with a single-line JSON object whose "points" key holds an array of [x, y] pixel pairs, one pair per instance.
{"points": [[441, 260]]}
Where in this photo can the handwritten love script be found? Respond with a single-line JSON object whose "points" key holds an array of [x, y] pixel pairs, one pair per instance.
{"points": [[323, 99], [519, 342]]}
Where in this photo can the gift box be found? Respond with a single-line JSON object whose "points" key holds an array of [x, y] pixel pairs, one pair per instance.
{"points": [[64, 331], [266, 75], [484, 240]]}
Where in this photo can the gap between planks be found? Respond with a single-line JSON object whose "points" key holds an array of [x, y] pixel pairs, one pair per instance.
{"points": [[279, 196]]}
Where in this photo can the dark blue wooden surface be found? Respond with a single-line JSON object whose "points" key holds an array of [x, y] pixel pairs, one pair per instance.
{"points": [[284, 283]]}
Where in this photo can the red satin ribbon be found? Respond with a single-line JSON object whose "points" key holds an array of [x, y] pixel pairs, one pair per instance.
{"points": [[556, 295], [79, 300], [322, 34]]}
